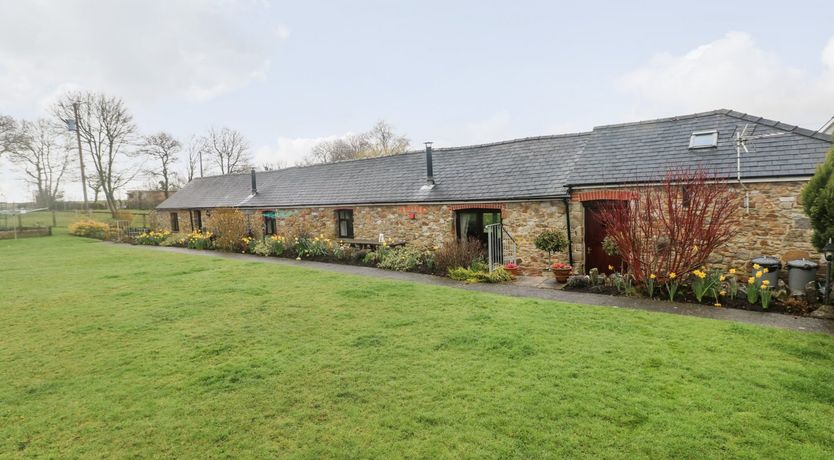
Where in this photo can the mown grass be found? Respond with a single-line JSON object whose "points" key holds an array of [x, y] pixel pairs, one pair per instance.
{"points": [[64, 218], [114, 351]]}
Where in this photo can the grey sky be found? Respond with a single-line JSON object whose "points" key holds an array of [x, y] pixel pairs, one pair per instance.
{"points": [[288, 74]]}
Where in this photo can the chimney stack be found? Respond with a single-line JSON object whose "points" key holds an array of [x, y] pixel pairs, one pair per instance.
{"points": [[429, 166], [254, 183]]}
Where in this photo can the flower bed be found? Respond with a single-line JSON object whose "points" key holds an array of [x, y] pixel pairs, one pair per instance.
{"points": [[458, 260], [716, 287]]}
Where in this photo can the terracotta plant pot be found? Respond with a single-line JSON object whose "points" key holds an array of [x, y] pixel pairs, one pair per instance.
{"points": [[512, 271], [561, 274]]}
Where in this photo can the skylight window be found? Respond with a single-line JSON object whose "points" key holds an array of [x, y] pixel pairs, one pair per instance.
{"points": [[703, 140]]}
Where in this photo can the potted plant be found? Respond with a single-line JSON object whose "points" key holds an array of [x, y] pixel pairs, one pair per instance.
{"points": [[561, 271], [551, 241], [512, 268]]}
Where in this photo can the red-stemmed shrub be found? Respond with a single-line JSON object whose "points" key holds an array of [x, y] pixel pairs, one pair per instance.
{"points": [[675, 226]]}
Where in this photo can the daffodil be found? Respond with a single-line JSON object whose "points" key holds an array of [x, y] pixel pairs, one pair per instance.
{"points": [[722, 278], [751, 280], [759, 274], [717, 305], [652, 276], [610, 267], [756, 266], [732, 271], [673, 275]]}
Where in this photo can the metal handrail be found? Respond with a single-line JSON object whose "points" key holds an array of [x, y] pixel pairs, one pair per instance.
{"points": [[497, 239]]}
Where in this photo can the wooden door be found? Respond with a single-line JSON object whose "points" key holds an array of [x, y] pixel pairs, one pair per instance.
{"points": [[595, 257]]}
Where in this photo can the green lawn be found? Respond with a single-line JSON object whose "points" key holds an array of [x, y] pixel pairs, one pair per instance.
{"points": [[64, 218], [115, 351]]}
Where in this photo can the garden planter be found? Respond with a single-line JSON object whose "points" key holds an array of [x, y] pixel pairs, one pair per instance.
{"points": [[512, 271], [561, 274]]}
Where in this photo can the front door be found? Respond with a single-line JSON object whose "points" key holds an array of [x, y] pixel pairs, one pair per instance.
{"points": [[595, 257]]}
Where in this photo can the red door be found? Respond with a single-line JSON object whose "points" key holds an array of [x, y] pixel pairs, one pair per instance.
{"points": [[595, 257]]}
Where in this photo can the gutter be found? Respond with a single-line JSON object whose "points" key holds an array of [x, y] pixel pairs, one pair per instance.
{"points": [[567, 221]]}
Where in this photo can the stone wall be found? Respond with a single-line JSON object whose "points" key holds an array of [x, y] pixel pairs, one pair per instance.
{"points": [[424, 226], [775, 225]]}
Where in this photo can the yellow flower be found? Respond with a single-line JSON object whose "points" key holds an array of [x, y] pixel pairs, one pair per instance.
{"points": [[751, 280], [759, 274], [765, 270], [652, 276], [732, 271], [610, 267], [673, 275], [756, 266], [298, 258], [765, 282], [722, 293], [722, 278], [717, 305]]}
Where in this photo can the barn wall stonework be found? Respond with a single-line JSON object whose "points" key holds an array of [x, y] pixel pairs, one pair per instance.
{"points": [[775, 224]]}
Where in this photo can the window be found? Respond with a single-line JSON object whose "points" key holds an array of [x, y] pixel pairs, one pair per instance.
{"points": [[269, 223], [175, 222], [703, 140], [345, 223], [197, 222], [470, 223]]}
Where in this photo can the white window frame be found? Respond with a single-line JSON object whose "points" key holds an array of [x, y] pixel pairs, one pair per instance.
{"points": [[712, 132]]}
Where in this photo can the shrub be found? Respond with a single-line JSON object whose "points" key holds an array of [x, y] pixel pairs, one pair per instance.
{"points": [[818, 201], [229, 226], [609, 246], [89, 229], [673, 227], [312, 247], [151, 238], [263, 248], [176, 240], [551, 241], [199, 240], [456, 254], [476, 276], [401, 259], [578, 282], [278, 243]]}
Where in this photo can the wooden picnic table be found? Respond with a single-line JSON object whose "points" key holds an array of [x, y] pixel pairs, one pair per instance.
{"points": [[369, 244]]}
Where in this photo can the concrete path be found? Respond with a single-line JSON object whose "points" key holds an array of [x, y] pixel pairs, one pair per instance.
{"points": [[537, 289]]}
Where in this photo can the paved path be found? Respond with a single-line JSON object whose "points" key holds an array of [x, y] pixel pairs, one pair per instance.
{"points": [[798, 323]]}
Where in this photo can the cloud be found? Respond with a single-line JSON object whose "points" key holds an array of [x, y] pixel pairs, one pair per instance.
{"points": [[733, 72], [288, 151], [142, 50]]}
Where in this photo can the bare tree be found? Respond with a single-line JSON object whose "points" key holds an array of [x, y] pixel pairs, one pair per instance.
{"points": [[384, 141], [9, 134], [39, 151], [162, 148], [108, 132], [379, 141], [193, 150], [273, 165], [227, 148]]}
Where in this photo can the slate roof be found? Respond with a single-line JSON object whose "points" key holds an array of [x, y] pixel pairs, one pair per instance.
{"points": [[524, 168], [644, 151], [530, 168]]}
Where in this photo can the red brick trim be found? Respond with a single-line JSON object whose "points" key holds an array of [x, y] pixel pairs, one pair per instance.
{"points": [[618, 195], [455, 207]]}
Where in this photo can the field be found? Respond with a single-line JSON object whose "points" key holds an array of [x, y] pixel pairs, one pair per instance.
{"points": [[115, 351], [64, 218]]}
